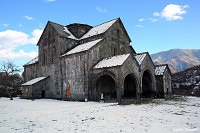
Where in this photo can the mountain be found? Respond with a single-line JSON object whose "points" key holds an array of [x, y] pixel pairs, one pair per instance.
{"points": [[187, 82], [178, 59]]}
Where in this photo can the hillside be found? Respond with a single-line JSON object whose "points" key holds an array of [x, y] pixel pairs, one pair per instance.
{"points": [[187, 82], [178, 59]]}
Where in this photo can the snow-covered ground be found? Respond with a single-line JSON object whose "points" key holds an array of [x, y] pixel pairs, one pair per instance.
{"points": [[50, 116]]}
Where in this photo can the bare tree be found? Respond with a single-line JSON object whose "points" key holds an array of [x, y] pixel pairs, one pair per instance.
{"points": [[8, 69]]}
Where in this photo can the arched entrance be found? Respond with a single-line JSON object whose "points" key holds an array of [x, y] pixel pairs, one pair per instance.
{"points": [[106, 85], [130, 86], [146, 85]]}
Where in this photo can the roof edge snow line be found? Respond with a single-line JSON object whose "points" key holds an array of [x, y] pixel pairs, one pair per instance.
{"points": [[33, 61], [33, 81], [117, 60], [160, 69], [82, 47], [140, 57]]}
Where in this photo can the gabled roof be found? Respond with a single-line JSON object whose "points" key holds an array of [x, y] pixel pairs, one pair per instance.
{"points": [[82, 47], [140, 57], [160, 69], [33, 81], [62, 30], [99, 29], [33, 61], [112, 61]]}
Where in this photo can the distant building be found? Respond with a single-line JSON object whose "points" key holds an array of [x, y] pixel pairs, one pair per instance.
{"points": [[78, 62]]}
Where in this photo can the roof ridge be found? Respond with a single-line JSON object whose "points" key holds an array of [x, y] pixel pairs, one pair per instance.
{"points": [[104, 23]]}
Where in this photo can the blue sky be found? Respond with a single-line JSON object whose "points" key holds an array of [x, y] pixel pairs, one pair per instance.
{"points": [[153, 25]]}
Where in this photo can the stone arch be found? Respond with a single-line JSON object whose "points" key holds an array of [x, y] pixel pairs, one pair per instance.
{"points": [[130, 86], [147, 84], [105, 84]]}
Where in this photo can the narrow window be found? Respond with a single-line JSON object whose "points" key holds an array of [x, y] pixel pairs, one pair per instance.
{"points": [[53, 54]]}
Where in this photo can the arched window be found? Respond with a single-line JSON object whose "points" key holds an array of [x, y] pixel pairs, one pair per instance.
{"points": [[53, 54]]}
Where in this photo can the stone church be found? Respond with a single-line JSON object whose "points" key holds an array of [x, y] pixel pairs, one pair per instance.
{"points": [[81, 62]]}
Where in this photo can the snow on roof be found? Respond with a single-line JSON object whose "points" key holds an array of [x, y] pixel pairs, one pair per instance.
{"points": [[112, 61], [33, 61], [159, 70], [140, 57], [70, 35], [33, 81], [82, 47], [99, 29]]}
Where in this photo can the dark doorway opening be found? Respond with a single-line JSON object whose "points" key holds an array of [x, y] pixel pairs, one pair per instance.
{"points": [[130, 85], [43, 93], [146, 85], [106, 86]]}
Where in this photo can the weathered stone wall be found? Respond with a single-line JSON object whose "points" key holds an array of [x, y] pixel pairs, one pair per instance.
{"points": [[159, 85], [167, 83], [76, 75], [27, 92], [30, 72]]}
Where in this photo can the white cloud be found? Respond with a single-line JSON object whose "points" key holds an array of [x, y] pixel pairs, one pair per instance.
{"points": [[172, 12], [153, 19], [28, 17], [10, 40], [141, 19], [5, 25], [101, 10], [9, 54], [139, 26]]}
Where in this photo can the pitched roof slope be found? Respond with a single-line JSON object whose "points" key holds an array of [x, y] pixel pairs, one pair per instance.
{"points": [[140, 57], [33, 61], [33, 81], [112, 61], [160, 69], [82, 47], [60, 29], [99, 29]]}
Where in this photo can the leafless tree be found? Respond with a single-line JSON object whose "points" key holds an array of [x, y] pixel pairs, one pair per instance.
{"points": [[8, 69]]}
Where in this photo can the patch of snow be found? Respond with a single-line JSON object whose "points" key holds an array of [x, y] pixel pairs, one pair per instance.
{"points": [[46, 115], [159, 70], [140, 58], [69, 33], [33, 61], [82, 47], [112, 61], [33, 81], [99, 29]]}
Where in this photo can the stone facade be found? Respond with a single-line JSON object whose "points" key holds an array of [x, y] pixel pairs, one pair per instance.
{"points": [[68, 55]]}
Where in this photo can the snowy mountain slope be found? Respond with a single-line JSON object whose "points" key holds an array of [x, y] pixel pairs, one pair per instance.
{"points": [[187, 82], [178, 59]]}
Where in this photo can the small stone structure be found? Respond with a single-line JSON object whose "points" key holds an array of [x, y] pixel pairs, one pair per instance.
{"points": [[89, 63], [163, 81]]}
